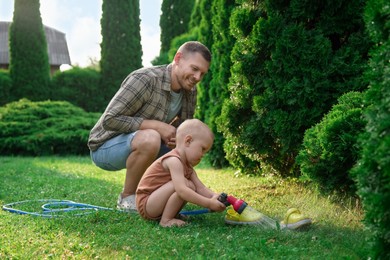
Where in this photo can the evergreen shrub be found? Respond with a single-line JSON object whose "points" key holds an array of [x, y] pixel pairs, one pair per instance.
{"points": [[44, 128], [330, 148], [292, 60], [373, 170], [79, 86], [5, 87]]}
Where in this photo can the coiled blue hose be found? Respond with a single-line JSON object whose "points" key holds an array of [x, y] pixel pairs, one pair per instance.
{"points": [[53, 208]]}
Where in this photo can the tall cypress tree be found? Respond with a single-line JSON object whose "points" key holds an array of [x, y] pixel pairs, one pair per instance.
{"points": [[29, 59], [174, 19], [221, 49], [205, 36], [121, 50]]}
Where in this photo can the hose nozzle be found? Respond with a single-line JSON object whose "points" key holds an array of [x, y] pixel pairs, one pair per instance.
{"points": [[238, 204]]}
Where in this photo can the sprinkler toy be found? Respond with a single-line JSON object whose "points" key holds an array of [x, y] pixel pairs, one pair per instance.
{"points": [[243, 214]]}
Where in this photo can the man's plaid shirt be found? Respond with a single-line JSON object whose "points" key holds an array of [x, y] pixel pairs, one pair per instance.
{"points": [[144, 94]]}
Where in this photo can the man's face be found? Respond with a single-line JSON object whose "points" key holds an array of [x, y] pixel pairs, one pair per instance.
{"points": [[191, 69]]}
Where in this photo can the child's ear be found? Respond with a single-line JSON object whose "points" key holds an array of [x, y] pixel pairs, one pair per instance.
{"points": [[188, 139]]}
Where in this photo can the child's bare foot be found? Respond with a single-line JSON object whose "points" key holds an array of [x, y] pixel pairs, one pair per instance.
{"points": [[172, 223]]}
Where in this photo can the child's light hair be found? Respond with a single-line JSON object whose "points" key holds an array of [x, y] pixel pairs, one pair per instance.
{"points": [[193, 127]]}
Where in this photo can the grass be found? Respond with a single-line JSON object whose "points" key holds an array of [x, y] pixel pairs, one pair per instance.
{"points": [[336, 233]]}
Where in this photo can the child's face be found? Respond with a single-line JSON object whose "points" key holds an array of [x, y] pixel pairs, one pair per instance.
{"points": [[196, 147]]}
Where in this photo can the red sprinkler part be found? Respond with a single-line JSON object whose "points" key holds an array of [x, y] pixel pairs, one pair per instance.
{"points": [[238, 204]]}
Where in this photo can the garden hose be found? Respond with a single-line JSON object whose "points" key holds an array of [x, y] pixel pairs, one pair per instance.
{"points": [[53, 208]]}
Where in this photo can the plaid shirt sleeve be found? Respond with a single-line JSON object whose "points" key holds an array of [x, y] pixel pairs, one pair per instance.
{"points": [[144, 94], [138, 98]]}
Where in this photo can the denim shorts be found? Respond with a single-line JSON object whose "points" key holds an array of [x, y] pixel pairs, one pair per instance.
{"points": [[113, 154]]}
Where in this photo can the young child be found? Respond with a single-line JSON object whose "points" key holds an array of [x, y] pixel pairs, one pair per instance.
{"points": [[171, 181]]}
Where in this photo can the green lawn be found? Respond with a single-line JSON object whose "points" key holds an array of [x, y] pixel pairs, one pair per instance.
{"points": [[336, 233]]}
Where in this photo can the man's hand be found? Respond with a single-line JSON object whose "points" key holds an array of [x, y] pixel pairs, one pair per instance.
{"points": [[172, 143], [168, 134]]}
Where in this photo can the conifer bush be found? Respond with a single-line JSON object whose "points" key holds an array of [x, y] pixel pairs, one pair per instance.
{"points": [[373, 170], [330, 148], [44, 128], [79, 86], [292, 60], [5, 87]]}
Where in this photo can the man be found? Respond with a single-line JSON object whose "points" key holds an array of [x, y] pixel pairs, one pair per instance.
{"points": [[139, 123]]}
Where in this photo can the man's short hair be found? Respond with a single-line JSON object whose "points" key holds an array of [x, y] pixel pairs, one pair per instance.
{"points": [[195, 46]]}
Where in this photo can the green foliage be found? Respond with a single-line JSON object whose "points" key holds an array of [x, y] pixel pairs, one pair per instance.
{"points": [[161, 59], [174, 19], [5, 87], [196, 16], [205, 36], [121, 50], [291, 61], [29, 60], [221, 48], [330, 148], [44, 128], [176, 42], [80, 87], [373, 170]]}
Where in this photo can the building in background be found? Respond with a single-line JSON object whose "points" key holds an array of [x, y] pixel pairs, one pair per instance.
{"points": [[56, 44]]}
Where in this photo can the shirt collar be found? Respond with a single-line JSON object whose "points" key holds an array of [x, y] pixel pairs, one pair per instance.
{"points": [[167, 78]]}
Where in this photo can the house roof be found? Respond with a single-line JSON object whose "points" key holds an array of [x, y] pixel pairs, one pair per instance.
{"points": [[56, 44]]}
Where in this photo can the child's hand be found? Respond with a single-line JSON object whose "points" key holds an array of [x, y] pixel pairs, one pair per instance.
{"points": [[216, 205]]}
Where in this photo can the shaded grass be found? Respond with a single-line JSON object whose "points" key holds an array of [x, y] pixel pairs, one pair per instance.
{"points": [[336, 232]]}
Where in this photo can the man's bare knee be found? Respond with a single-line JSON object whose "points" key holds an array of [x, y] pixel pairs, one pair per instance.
{"points": [[147, 140]]}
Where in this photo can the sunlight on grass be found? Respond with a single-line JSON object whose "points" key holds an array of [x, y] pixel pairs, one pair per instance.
{"points": [[336, 232], [79, 166]]}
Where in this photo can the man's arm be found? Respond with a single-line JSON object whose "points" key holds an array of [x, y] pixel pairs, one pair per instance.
{"points": [[119, 115]]}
